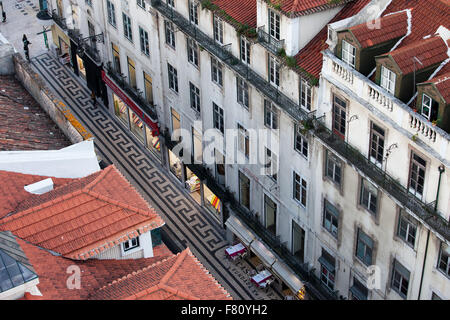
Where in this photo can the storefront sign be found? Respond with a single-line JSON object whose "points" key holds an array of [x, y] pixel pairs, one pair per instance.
{"points": [[130, 103]]}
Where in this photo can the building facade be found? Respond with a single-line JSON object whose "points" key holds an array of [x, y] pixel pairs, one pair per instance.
{"points": [[289, 143]]}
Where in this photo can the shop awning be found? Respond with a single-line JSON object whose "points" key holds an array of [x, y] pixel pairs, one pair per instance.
{"points": [[263, 253], [240, 230], [283, 272]]}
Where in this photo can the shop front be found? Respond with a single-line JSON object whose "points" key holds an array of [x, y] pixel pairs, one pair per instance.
{"points": [[133, 118]]}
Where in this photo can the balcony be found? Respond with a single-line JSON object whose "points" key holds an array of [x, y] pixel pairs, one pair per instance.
{"points": [[233, 63], [60, 21], [133, 93], [269, 42], [312, 282]]}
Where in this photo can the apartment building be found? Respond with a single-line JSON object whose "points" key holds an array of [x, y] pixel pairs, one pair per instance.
{"points": [[301, 196]]}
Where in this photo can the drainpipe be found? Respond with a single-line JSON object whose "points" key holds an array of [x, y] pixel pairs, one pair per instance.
{"points": [[441, 171]]}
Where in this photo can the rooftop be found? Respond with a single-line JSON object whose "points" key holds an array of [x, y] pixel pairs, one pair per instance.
{"points": [[296, 8], [24, 125], [82, 217]]}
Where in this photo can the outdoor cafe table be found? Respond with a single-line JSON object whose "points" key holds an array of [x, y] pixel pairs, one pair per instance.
{"points": [[235, 250], [261, 277]]}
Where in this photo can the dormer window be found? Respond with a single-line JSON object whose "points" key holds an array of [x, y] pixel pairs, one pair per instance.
{"points": [[429, 108], [388, 79], [274, 24], [130, 244], [348, 53]]}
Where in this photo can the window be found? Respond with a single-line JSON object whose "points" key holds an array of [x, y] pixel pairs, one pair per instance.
{"points": [[271, 164], [400, 279], [242, 92], [243, 140], [300, 189], [270, 115], [144, 41], [364, 248], [274, 71], [300, 141], [192, 49], [245, 50], [218, 118], [333, 167], [388, 79], [131, 72], [193, 12], [195, 97], [130, 244], [348, 53], [170, 33], [218, 29], [417, 175], [406, 230], [244, 190], [127, 27], [216, 71], [330, 218], [274, 24], [148, 88], [141, 3], [376, 144], [327, 269], [305, 94], [339, 116], [171, 3], [173, 78], [111, 13], [116, 58], [429, 108], [358, 290], [270, 212], [369, 195], [175, 120], [444, 259], [197, 146]]}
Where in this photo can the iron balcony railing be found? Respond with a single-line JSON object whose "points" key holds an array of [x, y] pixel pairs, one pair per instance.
{"points": [[312, 282], [60, 21], [133, 93], [269, 42], [93, 53], [389, 184], [383, 180]]}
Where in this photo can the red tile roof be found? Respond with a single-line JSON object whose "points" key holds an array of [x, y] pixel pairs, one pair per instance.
{"points": [[53, 273], [304, 7], [24, 125], [430, 52], [83, 217], [381, 30], [310, 57], [177, 277], [243, 11]]}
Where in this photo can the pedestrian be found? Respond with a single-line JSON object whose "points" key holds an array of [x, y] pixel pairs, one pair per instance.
{"points": [[94, 101], [25, 47], [4, 16]]}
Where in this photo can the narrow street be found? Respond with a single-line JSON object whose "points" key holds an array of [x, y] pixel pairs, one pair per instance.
{"points": [[187, 224]]}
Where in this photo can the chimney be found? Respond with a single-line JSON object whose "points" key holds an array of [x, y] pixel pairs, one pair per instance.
{"points": [[40, 187]]}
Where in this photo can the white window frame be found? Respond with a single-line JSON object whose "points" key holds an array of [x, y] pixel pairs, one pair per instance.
{"points": [[297, 180], [133, 247], [300, 139], [144, 42], [245, 50], [173, 78], [274, 24], [193, 12], [429, 106], [386, 81], [111, 10], [127, 27], [243, 97], [305, 94], [193, 52], [274, 71], [169, 33], [218, 29], [272, 120], [243, 140], [195, 97], [216, 72], [141, 3], [218, 118], [271, 159], [348, 53]]}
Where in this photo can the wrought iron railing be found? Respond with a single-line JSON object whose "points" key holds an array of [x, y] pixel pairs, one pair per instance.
{"points": [[383, 180], [60, 21], [133, 93], [269, 42]]}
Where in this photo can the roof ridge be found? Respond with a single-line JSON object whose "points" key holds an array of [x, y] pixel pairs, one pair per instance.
{"points": [[150, 213], [99, 177], [180, 258], [134, 273]]}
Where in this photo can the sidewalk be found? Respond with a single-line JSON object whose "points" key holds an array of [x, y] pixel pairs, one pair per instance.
{"points": [[186, 221]]}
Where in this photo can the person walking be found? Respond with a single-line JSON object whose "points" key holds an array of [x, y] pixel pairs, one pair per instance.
{"points": [[25, 46], [4, 16], [94, 101]]}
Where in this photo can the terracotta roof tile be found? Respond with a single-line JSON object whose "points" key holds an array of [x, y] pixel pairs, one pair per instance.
{"points": [[304, 7], [74, 219], [243, 11], [442, 83]]}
